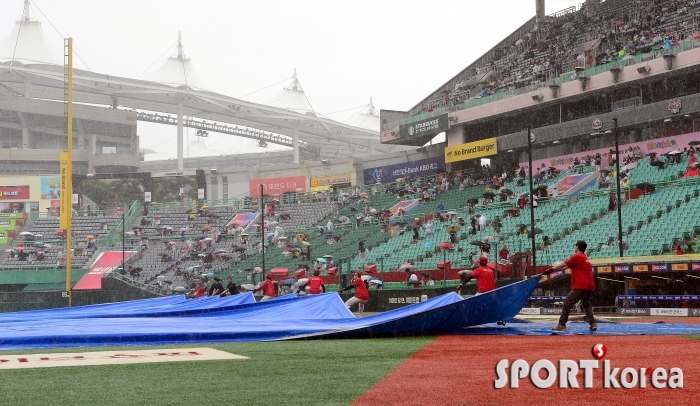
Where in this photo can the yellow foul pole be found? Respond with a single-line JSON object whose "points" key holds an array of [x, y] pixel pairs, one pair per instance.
{"points": [[67, 169]]}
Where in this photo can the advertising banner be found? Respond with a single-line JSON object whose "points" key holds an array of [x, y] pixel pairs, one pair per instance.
{"points": [[569, 182], [16, 215], [660, 146], [65, 192], [276, 186], [3, 236], [389, 173], [331, 180], [429, 126], [50, 187], [14, 192], [7, 224], [471, 150]]}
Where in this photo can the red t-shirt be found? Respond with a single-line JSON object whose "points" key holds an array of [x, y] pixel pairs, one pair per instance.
{"points": [[268, 287], [315, 283], [581, 272], [485, 281], [199, 291], [360, 289]]}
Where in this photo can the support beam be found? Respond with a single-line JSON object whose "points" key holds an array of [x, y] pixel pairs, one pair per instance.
{"points": [[180, 157], [295, 142]]}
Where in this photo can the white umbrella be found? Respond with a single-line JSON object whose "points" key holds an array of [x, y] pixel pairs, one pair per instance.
{"points": [[247, 286], [161, 277], [25, 233], [367, 277]]}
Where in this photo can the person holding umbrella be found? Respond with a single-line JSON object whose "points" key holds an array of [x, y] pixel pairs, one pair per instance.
{"points": [[582, 285], [361, 293]]}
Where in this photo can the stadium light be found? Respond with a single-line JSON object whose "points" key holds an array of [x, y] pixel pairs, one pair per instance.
{"points": [[583, 82], [668, 59], [537, 97], [554, 88], [644, 70]]}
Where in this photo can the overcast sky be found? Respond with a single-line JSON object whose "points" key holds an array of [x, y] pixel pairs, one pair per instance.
{"points": [[396, 51]]}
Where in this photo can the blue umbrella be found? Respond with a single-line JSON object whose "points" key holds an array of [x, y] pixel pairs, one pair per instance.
{"points": [[428, 244], [210, 275], [290, 281], [322, 260]]}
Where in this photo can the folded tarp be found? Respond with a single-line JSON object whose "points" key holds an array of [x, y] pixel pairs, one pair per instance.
{"points": [[222, 319]]}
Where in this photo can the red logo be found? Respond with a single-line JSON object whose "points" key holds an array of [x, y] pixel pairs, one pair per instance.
{"points": [[599, 351], [675, 106], [597, 124]]}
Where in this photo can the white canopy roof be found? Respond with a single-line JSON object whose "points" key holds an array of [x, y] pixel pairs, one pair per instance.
{"points": [[27, 43], [368, 119], [292, 98], [178, 71]]}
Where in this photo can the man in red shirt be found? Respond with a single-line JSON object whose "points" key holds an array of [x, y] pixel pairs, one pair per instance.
{"points": [[361, 293], [199, 291], [315, 284], [268, 287], [485, 279], [582, 285]]}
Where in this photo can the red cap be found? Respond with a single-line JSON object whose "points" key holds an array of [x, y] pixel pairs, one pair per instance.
{"points": [[483, 260]]}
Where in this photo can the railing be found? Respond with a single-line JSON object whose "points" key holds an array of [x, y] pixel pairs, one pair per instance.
{"points": [[111, 237]]}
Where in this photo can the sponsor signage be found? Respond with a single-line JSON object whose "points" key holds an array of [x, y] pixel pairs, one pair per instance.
{"points": [[200, 194], [668, 312], [695, 266], [14, 192], [429, 126], [50, 187], [3, 237], [679, 267], [640, 268], [105, 262], [530, 310], [659, 268], [603, 269], [7, 224], [471, 150], [569, 182], [551, 310], [276, 186], [633, 312], [331, 180], [147, 197], [64, 191], [597, 124], [675, 106], [11, 215], [389, 173], [622, 269]]}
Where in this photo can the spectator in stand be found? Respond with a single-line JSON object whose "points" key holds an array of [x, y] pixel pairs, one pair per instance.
{"points": [[361, 247], [503, 253]]}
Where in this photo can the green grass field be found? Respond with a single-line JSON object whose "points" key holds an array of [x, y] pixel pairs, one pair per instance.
{"points": [[318, 372]]}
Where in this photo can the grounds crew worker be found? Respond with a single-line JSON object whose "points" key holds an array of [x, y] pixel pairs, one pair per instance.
{"points": [[582, 285]]}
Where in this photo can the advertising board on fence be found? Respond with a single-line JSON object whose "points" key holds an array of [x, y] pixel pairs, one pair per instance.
{"points": [[389, 173], [14, 192], [429, 126], [276, 186]]}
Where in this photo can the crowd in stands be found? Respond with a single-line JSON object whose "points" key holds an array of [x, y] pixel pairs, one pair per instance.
{"points": [[592, 36]]}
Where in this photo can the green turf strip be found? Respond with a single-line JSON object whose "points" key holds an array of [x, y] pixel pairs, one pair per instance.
{"points": [[319, 372]]}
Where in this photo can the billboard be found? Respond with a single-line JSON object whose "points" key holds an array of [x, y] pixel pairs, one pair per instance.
{"points": [[14, 192], [276, 186], [389, 173], [429, 126], [50, 187], [331, 180], [7, 224], [471, 150]]}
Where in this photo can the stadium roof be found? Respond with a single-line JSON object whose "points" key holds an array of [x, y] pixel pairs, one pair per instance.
{"points": [[39, 74]]}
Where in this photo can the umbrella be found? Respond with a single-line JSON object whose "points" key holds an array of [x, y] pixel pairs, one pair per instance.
{"points": [[428, 244], [538, 176], [365, 195], [247, 286], [647, 187], [322, 260], [446, 245], [406, 267], [451, 213], [675, 152], [239, 249], [207, 227], [537, 231], [376, 281], [367, 277], [506, 191], [289, 282], [25, 233], [453, 229], [512, 209], [489, 195], [694, 143], [171, 243], [220, 251], [206, 207], [473, 201], [161, 276], [19, 249], [605, 184], [651, 154], [90, 237], [328, 256], [179, 288], [9, 250], [657, 163], [207, 239], [306, 243], [477, 243], [300, 236], [163, 227], [542, 170], [183, 229]]}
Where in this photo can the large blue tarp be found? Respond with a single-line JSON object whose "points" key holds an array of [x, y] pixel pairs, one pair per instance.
{"points": [[240, 318]]}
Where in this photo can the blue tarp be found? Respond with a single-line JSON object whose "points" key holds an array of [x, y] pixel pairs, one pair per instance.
{"points": [[239, 318]]}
